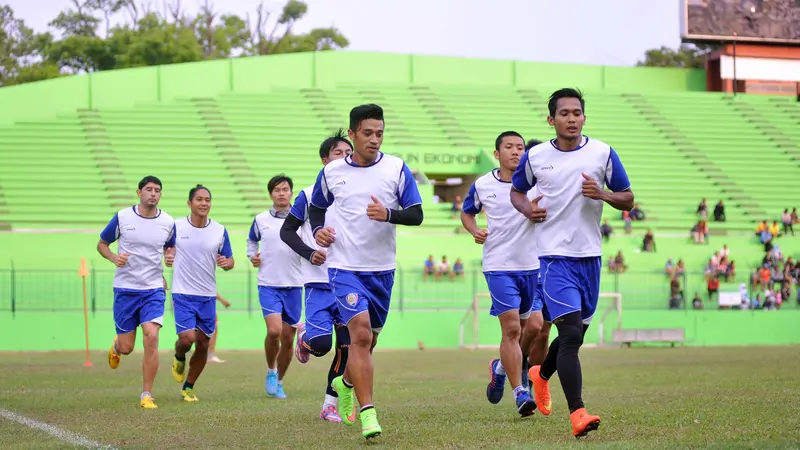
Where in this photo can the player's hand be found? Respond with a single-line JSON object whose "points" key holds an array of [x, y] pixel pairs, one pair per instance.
{"points": [[224, 263], [169, 256], [121, 260], [376, 211], [480, 236], [225, 303], [591, 189], [538, 215], [325, 236], [256, 260], [318, 257]]}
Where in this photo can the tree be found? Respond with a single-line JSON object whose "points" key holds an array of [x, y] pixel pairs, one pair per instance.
{"points": [[686, 56], [146, 37]]}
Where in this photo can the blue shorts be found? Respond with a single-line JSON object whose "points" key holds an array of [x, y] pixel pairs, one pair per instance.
{"points": [[514, 291], [286, 301], [359, 292], [322, 312], [133, 307], [195, 312], [571, 284]]}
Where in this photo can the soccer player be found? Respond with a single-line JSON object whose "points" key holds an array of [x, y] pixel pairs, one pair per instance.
{"points": [[511, 268], [280, 281], [201, 244], [212, 346], [143, 232], [366, 188], [322, 313], [566, 171]]}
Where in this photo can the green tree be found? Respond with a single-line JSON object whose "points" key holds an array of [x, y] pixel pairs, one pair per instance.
{"points": [[20, 47], [281, 39], [686, 56]]}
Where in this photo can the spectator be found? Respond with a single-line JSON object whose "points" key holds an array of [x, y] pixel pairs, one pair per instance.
{"points": [[429, 269], [719, 212], [724, 251], [637, 213], [626, 218], [730, 273], [794, 216], [697, 303], [606, 230], [619, 261], [762, 277], [680, 268], [669, 268], [702, 210], [700, 232], [762, 227], [713, 286], [649, 242], [444, 267], [456, 208], [458, 268], [786, 218], [775, 229], [675, 293]]}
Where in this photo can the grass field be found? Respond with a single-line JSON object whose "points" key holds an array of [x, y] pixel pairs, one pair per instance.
{"points": [[647, 398]]}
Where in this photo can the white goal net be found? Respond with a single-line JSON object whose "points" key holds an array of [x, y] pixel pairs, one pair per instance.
{"points": [[479, 330]]}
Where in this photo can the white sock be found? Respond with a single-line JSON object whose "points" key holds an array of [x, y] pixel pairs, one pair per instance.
{"points": [[145, 394], [275, 370], [330, 401], [500, 370], [115, 348]]}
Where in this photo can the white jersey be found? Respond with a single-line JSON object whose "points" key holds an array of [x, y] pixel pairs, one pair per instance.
{"points": [[511, 243], [196, 254], [144, 239], [280, 265], [572, 227], [363, 244], [312, 273]]}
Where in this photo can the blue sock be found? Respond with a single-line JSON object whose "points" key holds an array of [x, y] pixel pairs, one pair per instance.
{"points": [[519, 390]]}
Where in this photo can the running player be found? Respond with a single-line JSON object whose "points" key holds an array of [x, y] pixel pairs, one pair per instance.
{"points": [[280, 281], [322, 313], [510, 265], [143, 232], [212, 346], [367, 188], [201, 245], [565, 171]]}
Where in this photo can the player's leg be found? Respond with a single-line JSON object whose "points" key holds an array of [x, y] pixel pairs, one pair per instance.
{"points": [[212, 346], [272, 308], [538, 347], [505, 306], [292, 299], [126, 320], [206, 320], [185, 311], [315, 336], [532, 322], [338, 364], [151, 315]]}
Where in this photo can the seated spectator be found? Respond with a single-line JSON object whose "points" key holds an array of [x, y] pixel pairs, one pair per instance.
{"points": [[794, 216], [702, 210], [743, 293], [719, 212], [700, 232], [619, 261], [713, 286], [724, 252], [757, 302], [730, 273], [626, 218], [775, 229], [429, 269], [444, 267], [680, 268], [786, 218], [669, 268], [637, 213], [770, 302], [675, 293], [606, 230], [649, 242], [762, 277], [456, 208], [696, 302], [761, 228], [722, 268], [458, 268]]}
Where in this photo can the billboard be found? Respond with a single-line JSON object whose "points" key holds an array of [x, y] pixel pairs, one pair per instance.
{"points": [[757, 21]]}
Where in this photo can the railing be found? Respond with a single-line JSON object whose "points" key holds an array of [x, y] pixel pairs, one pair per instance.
{"points": [[25, 290]]}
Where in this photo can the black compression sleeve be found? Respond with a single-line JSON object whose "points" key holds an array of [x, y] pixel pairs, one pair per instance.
{"points": [[290, 237], [411, 216], [316, 216]]}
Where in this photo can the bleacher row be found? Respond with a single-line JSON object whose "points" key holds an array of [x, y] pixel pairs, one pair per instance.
{"points": [[77, 169]]}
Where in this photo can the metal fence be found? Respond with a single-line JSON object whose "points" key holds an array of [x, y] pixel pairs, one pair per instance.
{"points": [[61, 290]]}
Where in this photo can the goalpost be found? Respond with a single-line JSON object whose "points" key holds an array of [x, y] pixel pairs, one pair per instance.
{"points": [[608, 314]]}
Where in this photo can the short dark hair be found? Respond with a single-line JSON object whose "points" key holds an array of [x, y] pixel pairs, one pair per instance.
{"points": [[331, 141], [506, 134], [149, 179], [193, 191], [278, 179], [532, 143], [564, 93], [364, 112]]}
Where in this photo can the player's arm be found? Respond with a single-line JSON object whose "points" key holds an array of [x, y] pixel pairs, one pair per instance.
{"points": [[225, 252], [409, 199], [108, 236], [471, 207], [321, 199], [522, 181], [620, 196], [169, 247], [293, 222], [253, 238]]}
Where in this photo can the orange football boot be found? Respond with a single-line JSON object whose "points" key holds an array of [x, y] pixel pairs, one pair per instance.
{"points": [[583, 423], [541, 391]]}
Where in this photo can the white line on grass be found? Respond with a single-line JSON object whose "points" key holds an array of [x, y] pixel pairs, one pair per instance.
{"points": [[63, 435]]}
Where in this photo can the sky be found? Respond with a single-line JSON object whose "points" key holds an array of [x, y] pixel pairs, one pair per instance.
{"points": [[608, 32]]}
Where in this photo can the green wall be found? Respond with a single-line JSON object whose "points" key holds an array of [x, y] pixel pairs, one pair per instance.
{"points": [[121, 89], [46, 331]]}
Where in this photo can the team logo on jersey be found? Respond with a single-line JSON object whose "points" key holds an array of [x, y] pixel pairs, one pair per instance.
{"points": [[546, 168], [352, 299], [492, 196]]}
